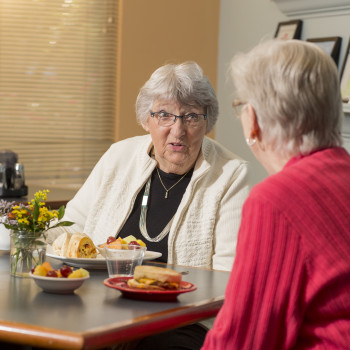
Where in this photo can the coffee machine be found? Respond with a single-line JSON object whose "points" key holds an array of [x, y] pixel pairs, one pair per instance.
{"points": [[12, 182]]}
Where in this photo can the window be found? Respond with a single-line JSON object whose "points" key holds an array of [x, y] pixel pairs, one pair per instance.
{"points": [[57, 85]]}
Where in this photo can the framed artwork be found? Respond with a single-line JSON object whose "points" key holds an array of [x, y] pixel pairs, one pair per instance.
{"points": [[345, 76], [289, 30], [331, 45]]}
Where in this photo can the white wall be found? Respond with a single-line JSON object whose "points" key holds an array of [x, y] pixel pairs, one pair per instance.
{"points": [[243, 24]]}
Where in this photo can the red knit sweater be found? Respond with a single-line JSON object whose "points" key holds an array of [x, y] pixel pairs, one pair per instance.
{"points": [[290, 283]]}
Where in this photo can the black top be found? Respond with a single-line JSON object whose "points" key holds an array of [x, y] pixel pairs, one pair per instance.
{"points": [[160, 210]]}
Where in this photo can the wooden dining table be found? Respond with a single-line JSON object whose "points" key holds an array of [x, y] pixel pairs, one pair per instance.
{"points": [[96, 316]]}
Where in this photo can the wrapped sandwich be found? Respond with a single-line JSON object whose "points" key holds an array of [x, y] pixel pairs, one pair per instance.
{"points": [[81, 246], [76, 245], [156, 278], [60, 244]]}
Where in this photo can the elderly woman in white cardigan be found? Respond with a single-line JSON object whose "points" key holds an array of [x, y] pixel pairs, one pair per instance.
{"points": [[195, 187], [174, 188]]}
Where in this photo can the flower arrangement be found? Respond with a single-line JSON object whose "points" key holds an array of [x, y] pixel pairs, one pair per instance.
{"points": [[29, 224], [34, 217]]}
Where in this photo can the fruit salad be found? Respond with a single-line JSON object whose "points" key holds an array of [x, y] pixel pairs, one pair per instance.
{"points": [[65, 271], [120, 243]]}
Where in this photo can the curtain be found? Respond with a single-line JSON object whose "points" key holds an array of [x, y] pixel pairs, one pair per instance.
{"points": [[57, 85]]}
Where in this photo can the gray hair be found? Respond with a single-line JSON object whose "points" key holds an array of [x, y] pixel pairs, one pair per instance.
{"points": [[184, 83], [294, 89]]}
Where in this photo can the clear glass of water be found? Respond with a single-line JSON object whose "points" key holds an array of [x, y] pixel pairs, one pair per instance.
{"points": [[122, 262]]}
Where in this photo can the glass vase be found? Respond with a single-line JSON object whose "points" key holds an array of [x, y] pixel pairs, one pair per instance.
{"points": [[27, 249]]}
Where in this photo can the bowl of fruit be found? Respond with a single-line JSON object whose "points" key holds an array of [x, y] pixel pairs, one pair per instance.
{"points": [[64, 280], [119, 243]]}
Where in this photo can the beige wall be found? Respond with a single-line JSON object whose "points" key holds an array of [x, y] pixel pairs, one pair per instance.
{"points": [[243, 24], [155, 32]]}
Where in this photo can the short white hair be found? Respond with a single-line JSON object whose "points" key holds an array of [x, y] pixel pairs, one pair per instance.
{"points": [[184, 83], [294, 89]]}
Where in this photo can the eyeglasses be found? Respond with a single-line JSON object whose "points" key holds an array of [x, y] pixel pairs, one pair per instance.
{"points": [[168, 119], [238, 106]]}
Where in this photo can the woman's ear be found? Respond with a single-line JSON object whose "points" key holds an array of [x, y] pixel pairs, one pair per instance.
{"points": [[253, 125], [145, 126]]}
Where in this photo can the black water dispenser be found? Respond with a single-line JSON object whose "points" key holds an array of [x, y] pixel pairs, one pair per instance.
{"points": [[12, 181]]}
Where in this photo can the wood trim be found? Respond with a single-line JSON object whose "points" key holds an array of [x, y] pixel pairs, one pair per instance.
{"points": [[18, 333], [303, 7], [56, 204]]}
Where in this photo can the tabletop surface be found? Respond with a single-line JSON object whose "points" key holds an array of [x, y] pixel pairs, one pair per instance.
{"points": [[95, 309]]}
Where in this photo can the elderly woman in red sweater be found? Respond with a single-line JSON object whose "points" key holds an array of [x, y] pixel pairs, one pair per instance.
{"points": [[290, 283]]}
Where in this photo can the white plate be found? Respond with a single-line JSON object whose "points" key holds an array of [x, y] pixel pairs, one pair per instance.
{"points": [[58, 285], [98, 263]]}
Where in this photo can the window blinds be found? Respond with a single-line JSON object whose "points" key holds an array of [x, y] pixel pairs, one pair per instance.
{"points": [[57, 85]]}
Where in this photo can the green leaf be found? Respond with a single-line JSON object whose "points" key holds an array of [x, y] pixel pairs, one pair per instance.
{"points": [[35, 211], [63, 223], [61, 212], [10, 227], [66, 223]]}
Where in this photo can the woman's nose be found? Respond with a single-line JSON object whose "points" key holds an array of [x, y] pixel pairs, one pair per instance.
{"points": [[179, 127]]}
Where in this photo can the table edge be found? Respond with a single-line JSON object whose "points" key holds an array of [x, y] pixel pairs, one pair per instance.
{"points": [[25, 334], [154, 323]]}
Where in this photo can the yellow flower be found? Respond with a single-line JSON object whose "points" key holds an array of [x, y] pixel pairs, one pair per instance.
{"points": [[23, 221], [41, 196]]}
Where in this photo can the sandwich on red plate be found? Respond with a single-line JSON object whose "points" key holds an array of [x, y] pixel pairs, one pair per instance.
{"points": [[155, 278]]}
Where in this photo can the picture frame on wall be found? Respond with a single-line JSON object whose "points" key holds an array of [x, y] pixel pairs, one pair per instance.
{"points": [[329, 44], [345, 76], [289, 30]]}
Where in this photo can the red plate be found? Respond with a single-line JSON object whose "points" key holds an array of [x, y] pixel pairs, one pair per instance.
{"points": [[120, 283]]}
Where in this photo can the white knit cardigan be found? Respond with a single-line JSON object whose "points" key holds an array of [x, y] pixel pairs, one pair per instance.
{"points": [[205, 226]]}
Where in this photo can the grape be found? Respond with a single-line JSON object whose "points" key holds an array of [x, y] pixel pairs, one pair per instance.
{"points": [[110, 239], [51, 273], [133, 243], [66, 270]]}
